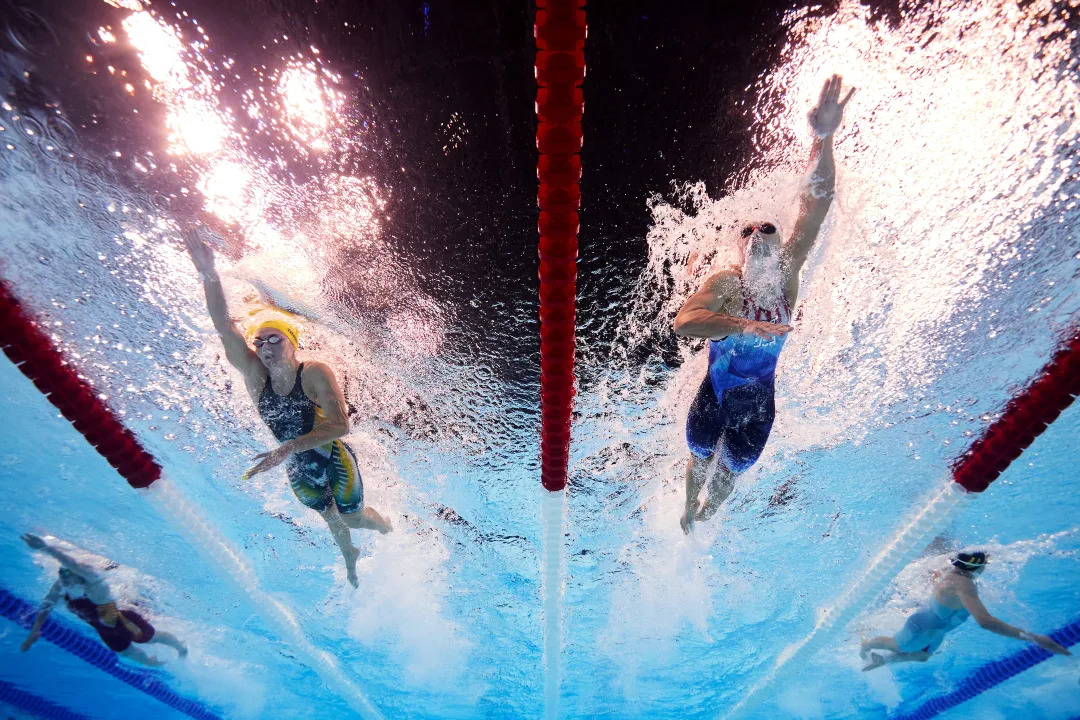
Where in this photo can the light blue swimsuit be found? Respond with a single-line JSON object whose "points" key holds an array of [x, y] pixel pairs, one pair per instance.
{"points": [[925, 630]]}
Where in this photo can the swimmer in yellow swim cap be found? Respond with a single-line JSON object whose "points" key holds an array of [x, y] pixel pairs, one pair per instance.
{"points": [[304, 408]]}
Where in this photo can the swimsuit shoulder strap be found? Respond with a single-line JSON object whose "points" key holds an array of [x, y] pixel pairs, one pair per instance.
{"points": [[298, 386]]}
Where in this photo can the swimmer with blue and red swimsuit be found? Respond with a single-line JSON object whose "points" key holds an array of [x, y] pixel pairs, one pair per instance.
{"points": [[745, 314], [303, 406]]}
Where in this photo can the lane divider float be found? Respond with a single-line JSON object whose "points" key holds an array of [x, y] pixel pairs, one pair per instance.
{"points": [[33, 705], [560, 33]]}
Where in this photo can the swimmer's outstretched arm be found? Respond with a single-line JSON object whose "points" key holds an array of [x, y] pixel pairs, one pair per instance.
{"points": [[43, 612], [710, 312], [816, 199], [969, 596], [237, 351], [87, 572]]}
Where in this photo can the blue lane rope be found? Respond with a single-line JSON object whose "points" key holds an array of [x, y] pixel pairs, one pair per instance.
{"points": [[994, 673], [36, 706], [64, 636]]}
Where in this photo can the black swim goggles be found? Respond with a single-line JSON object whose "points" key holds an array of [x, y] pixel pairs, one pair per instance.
{"points": [[765, 228], [273, 340]]}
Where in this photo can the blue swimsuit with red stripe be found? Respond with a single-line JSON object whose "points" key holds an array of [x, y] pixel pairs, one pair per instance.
{"points": [[734, 408]]}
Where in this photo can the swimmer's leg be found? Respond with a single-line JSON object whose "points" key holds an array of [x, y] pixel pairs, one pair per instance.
{"points": [[881, 642], [136, 654], [720, 486], [704, 425], [343, 537], [368, 519], [696, 470], [885, 642], [877, 659], [167, 638], [348, 490]]}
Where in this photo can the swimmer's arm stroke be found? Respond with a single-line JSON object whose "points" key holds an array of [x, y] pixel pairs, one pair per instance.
{"points": [[237, 351], [321, 385], [705, 313], [816, 199], [43, 612], [969, 597]]}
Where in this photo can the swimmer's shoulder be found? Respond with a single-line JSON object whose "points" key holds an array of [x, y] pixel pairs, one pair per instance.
{"points": [[947, 590], [722, 288], [317, 375], [728, 278]]}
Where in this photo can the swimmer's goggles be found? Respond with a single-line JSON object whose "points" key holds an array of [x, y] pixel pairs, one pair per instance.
{"points": [[970, 561], [273, 340], [765, 228]]}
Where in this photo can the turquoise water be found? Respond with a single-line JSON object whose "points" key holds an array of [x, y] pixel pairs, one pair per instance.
{"points": [[946, 275]]}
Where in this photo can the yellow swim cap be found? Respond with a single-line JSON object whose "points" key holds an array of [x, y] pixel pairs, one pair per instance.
{"points": [[282, 326]]}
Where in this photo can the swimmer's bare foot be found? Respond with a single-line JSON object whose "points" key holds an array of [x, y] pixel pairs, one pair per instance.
{"points": [[182, 650], [875, 662], [385, 525], [705, 511], [350, 567], [686, 522], [375, 521]]}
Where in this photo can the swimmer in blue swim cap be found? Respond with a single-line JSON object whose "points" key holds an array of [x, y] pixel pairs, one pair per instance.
{"points": [[303, 406], [745, 314], [954, 599]]}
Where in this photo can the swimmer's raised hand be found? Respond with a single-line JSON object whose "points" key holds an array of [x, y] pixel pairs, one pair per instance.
{"points": [[766, 330], [34, 541], [829, 111], [201, 254]]}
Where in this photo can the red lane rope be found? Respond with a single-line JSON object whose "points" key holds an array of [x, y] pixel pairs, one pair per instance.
{"points": [[1023, 420], [560, 70], [35, 355]]}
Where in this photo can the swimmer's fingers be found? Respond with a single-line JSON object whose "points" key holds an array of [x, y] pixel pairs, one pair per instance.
{"points": [[768, 331], [826, 90], [201, 253], [263, 465], [33, 541], [267, 461], [1049, 644]]}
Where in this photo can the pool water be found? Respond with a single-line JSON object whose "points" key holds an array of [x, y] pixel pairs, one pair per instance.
{"points": [[945, 277]]}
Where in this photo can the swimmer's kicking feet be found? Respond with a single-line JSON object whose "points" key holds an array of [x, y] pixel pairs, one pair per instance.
{"points": [[745, 313], [304, 408]]}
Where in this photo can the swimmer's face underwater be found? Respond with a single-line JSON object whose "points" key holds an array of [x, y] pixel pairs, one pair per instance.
{"points": [[272, 347], [761, 241]]}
